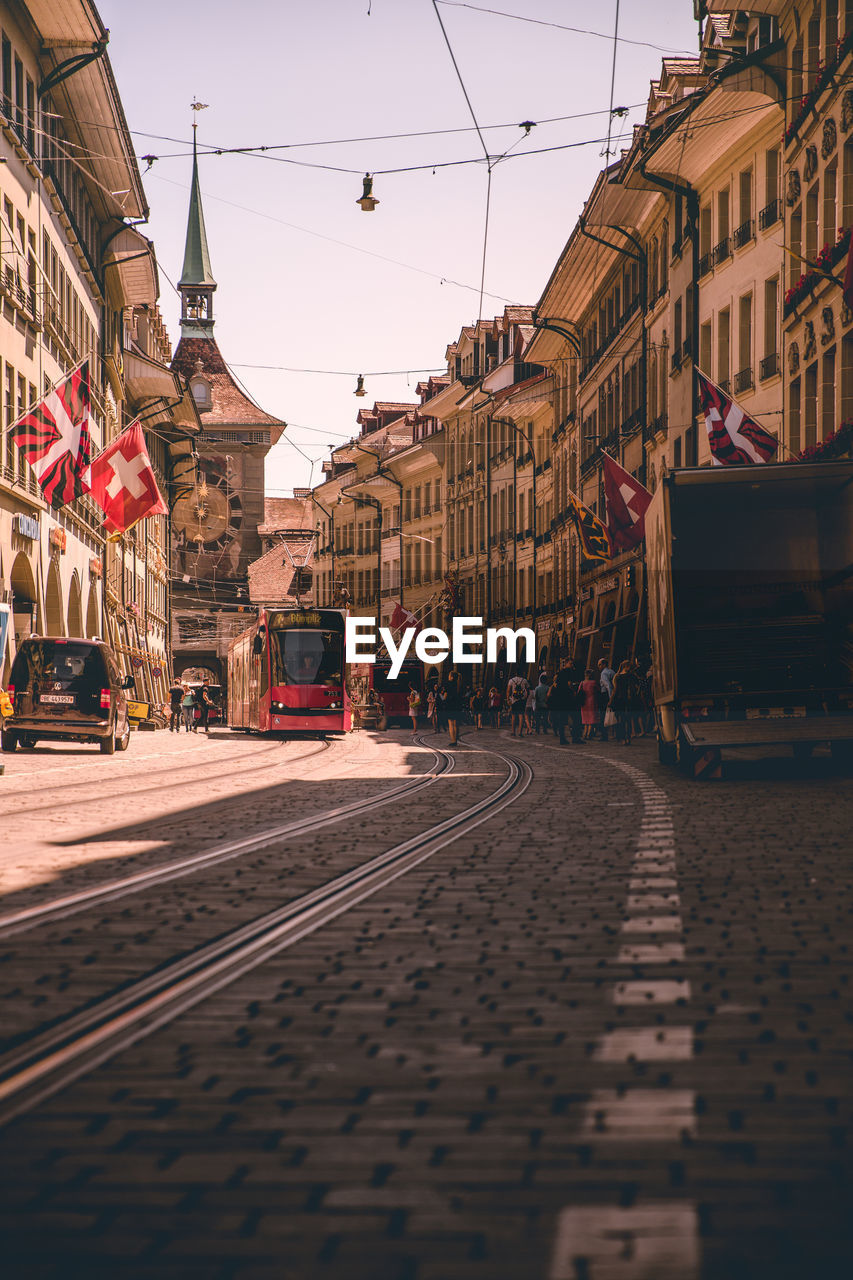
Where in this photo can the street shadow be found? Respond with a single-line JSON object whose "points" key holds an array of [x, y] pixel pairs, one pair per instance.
{"points": [[195, 828]]}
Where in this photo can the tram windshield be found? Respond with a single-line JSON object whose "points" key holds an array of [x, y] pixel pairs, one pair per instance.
{"points": [[300, 656]]}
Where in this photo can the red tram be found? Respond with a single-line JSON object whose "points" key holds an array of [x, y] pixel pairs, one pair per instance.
{"points": [[286, 673]]}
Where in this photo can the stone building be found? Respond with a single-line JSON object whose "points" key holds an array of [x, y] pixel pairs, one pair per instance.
{"points": [[78, 282], [218, 495]]}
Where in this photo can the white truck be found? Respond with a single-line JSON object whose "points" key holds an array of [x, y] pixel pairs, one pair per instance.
{"points": [[750, 589]]}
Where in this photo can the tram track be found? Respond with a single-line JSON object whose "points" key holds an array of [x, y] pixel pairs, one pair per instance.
{"points": [[49, 1060], [113, 890]]}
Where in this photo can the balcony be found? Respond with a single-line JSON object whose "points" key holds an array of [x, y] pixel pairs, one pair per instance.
{"points": [[770, 214], [722, 251], [706, 262], [657, 426], [769, 366], [744, 381], [744, 233], [725, 386], [632, 422]]}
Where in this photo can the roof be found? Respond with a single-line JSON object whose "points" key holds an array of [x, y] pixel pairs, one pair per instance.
{"points": [[231, 405], [196, 268], [286, 514], [271, 577]]}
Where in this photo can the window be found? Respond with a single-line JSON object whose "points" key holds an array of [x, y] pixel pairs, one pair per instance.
{"points": [[770, 364], [7, 78], [744, 377], [771, 175], [846, 411], [797, 73], [705, 347], [830, 31], [813, 49], [827, 395], [745, 201], [722, 225], [810, 406], [723, 347], [704, 238], [810, 250], [795, 266], [830, 191]]}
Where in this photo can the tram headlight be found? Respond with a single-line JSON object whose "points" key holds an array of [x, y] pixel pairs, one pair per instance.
{"points": [[332, 705]]}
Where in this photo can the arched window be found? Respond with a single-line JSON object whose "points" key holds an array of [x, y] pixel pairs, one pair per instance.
{"points": [[200, 389]]}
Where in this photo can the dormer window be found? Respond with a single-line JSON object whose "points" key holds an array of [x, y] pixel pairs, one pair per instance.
{"points": [[200, 389]]}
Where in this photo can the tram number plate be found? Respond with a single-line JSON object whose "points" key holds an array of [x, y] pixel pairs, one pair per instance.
{"points": [[66, 699]]}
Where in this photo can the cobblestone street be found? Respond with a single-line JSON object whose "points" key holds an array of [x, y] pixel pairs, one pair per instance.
{"points": [[604, 1033]]}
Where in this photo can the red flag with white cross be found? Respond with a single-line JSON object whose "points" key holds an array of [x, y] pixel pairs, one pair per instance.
{"points": [[121, 480], [627, 504]]}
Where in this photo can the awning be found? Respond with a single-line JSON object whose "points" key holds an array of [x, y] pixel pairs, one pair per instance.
{"points": [[147, 382], [132, 268]]}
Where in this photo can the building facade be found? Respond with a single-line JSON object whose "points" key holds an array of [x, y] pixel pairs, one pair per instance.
{"points": [[78, 282]]}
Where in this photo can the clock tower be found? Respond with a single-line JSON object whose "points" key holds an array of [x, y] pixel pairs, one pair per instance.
{"points": [[217, 499]]}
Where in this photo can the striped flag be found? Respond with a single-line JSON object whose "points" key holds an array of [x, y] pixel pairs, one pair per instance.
{"points": [[594, 540], [734, 437], [54, 438]]}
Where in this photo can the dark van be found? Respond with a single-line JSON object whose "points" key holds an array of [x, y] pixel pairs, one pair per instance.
{"points": [[67, 690]]}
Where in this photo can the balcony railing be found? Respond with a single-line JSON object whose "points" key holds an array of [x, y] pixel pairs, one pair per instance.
{"points": [[769, 365], [722, 251], [725, 385], [744, 233], [706, 262], [771, 213], [743, 380]]}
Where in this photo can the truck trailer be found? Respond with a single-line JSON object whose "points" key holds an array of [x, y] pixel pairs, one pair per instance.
{"points": [[750, 590]]}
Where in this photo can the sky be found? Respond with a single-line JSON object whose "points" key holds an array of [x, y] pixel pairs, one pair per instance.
{"points": [[306, 279]]}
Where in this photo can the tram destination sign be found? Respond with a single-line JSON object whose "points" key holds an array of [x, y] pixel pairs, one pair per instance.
{"points": [[295, 619]]}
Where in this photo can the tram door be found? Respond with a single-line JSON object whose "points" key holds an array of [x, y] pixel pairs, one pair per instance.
{"points": [[257, 665]]}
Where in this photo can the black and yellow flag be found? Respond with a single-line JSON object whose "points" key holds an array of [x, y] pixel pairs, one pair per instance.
{"points": [[594, 540]]}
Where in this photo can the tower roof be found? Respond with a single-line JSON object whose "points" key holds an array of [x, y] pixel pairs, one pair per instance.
{"points": [[196, 269]]}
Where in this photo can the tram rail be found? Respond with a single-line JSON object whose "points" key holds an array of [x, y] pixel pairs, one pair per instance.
{"points": [[50, 1060]]}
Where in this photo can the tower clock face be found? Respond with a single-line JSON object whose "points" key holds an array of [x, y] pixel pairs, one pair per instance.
{"points": [[210, 517]]}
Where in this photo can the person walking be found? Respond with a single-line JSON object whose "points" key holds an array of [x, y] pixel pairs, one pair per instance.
{"points": [[588, 690], [450, 696], [540, 696], [624, 700], [188, 709], [495, 701], [176, 693], [205, 702], [516, 692], [431, 707], [560, 696], [477, 704], [605, 676], [414, 700]]}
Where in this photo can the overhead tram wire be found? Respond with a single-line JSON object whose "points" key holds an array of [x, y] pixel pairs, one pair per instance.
{"points": [[559, 26]]}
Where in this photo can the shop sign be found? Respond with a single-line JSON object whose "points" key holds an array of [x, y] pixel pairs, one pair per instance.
{"points": [[543, 626], [27, 526], [94, 568], [606, 584], [58, 538]]}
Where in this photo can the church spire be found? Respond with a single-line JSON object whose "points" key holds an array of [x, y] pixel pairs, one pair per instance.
{"points": [[196, 284]]}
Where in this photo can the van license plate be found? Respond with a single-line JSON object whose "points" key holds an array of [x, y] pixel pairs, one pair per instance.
{"points": [[66, 699]]}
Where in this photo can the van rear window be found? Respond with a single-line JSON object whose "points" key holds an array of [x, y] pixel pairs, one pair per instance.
{"points": [[73, 664]]}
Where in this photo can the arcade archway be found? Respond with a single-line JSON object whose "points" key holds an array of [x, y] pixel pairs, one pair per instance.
{"points": [[75, 607], [93, 625], [54, 620]]}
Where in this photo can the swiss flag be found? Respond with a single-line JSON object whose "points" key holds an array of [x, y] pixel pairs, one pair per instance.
{"points": [[627, 503], [122, 482], [403, 618], [734, 438]]}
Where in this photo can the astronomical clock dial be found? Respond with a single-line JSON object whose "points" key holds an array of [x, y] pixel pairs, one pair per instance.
{"points": [[210, 516]]}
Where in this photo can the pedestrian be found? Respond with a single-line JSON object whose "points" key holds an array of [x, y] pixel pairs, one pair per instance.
{"points": [[188, 708], [205, 702], [558, 703], [432, 707], [605, 676], [530, 712], [450, 695], [624, 700], [495, 701], [414, 700], [588, 690], [176, 694], [477, 703], [516, 692], [540, 695]]}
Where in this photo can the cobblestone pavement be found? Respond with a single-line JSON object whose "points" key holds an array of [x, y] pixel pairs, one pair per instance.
{"points": [[607, 1035]]}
